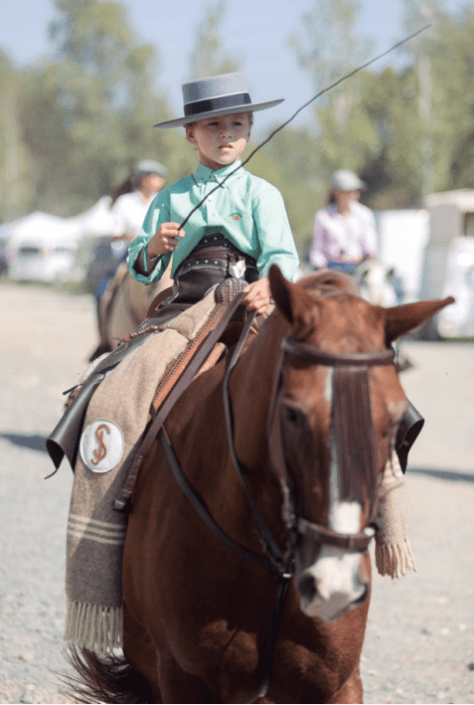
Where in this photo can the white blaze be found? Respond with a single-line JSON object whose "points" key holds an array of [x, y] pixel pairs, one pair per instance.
{"points": [[336, 570]]}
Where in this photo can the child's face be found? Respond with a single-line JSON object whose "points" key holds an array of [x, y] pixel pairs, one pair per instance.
{"points": [[220, 140]]}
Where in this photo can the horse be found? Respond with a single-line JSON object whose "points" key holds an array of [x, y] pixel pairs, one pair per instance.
{"points": [[374, 282], [123, 306], [280, 450]]}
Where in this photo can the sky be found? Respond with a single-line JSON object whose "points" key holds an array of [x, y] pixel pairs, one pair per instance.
{"points": [[255, 32]]}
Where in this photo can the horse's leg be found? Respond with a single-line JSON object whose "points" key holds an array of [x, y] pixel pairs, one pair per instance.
{"points": [[178, 686], [351, 691], [140, 653]]}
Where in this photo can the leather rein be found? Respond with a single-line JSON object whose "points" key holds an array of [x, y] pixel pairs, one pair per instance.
{"points": [[279, 562]]}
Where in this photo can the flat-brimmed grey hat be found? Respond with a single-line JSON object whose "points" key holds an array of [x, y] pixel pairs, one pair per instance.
{"points": [[214, 96], [346, 180]]}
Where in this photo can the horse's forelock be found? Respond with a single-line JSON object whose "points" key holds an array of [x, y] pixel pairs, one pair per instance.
{"points": [[326, 281]]}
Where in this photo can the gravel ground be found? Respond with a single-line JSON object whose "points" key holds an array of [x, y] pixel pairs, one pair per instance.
{"points": [[419, 646]]}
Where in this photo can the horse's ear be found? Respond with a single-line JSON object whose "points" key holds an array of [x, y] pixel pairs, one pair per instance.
{"points": [[401, 320], [294, 302]]}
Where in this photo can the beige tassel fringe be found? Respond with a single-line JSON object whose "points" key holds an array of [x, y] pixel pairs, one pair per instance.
{"points": [[393, 554], [395, 560], [94, 627]]}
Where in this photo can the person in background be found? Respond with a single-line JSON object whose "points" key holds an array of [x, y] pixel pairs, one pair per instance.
{"points": [[344, 231], [129, 206]]}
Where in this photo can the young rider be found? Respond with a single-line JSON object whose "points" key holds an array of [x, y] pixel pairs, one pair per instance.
{"points": [[243, 212]]}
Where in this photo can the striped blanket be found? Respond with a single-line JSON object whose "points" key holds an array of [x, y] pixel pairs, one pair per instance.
{"points": [[113, 428]]}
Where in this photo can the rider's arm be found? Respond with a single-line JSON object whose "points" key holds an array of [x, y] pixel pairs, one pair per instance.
{"points": [[146, 267], [370, 234], [276, 242]]}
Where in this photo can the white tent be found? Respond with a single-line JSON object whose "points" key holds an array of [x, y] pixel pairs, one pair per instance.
{"points": [[42, 227], [97, 221], [43, 247]]}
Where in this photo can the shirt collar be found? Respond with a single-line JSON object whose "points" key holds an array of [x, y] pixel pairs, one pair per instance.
{"points": [[204, 174]]}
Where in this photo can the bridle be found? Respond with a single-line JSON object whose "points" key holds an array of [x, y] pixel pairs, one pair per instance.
{"points": [[279, 562], [350, 364]]}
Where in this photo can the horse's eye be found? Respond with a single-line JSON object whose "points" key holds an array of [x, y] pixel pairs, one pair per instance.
{"points": [[294, 416]]}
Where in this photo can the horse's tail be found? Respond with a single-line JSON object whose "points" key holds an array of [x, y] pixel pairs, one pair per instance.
{"points": [[105, 679]]}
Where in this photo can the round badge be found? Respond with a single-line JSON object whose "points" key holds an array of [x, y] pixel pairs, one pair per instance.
{"points": [[101, 447]]}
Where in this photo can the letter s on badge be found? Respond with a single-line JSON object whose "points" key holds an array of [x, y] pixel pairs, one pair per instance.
{"points": [[101, 446]]}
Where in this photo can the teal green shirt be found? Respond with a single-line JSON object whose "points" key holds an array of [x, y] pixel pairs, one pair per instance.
{"points": [[248, 210]]}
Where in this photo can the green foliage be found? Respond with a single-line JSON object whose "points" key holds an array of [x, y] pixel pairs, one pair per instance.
{"points": [[97, 105], [328, 49], [208, 57], [405, 131], [15, 193]]}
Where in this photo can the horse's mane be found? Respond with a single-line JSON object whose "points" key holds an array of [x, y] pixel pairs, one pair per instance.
{"points": [[326, 281]]}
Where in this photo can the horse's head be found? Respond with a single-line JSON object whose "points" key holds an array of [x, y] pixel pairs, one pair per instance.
{"points": [[337, 406]]}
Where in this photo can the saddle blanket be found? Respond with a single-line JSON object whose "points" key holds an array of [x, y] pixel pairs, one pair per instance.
{"points": [[113, 427]]}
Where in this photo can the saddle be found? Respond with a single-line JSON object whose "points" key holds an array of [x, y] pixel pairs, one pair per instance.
{"points": [[196, 277], [213, 262]]}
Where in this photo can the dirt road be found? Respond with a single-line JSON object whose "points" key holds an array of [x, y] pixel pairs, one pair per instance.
{"points": [[420, 640]]}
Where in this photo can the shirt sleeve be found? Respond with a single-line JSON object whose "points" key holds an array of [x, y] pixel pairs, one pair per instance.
{"points": [[370, 232], [119, 217], [277, 245], [317, 256], [157, 213]]}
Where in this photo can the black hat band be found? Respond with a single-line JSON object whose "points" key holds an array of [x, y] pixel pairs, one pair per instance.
{"points": [[204, 106]]}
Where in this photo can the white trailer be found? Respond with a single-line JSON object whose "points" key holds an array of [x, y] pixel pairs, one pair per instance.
{"points": [[448, 266]]}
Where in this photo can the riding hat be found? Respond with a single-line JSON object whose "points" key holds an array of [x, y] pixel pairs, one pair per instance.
{"points": [[346, 180], [149, 166], [215, 96]]}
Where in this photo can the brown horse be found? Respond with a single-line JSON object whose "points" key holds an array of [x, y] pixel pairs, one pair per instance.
{"points": [[315, 402], [123, 306]]}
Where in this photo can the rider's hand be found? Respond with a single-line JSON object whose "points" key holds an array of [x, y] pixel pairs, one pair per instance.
{"points": [[125, 236], [164, 240], [257, 297]]}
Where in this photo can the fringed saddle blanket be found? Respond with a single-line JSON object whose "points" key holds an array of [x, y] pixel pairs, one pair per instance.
{"points": [[113, 428]]}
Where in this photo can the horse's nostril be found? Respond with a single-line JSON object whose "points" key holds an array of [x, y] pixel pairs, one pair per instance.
{"points": [[307, 587], [363, 597]]}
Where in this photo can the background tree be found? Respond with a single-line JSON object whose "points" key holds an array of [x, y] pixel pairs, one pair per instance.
{"points": [[15, 191], [98, 105], [329, 48], [209, 57], [423, 115]]}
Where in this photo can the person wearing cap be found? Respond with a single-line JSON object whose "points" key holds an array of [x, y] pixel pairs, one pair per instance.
{"points": [[344, 231], [129, 204], [129, 208], [241, 212]]}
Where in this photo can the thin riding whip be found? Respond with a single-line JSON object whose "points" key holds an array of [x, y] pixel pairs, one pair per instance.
{"points": [[318, 95]]}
